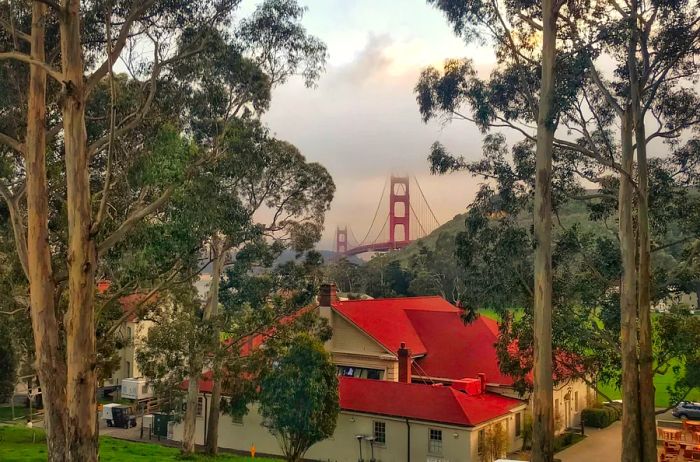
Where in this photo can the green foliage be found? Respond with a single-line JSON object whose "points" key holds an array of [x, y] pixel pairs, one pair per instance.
{"points": [[299, 397], [8, 364], [495, 443], [566, 439], [600, 417]]}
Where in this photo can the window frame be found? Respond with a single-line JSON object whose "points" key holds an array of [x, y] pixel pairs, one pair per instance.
{"points": [[518, 424], [376, 432], [435, 444]]}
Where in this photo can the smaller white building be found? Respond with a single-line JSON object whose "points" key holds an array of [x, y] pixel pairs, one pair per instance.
{"points": [[388, 421]]}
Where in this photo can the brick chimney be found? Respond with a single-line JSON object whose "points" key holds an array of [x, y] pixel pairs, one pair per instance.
{"points": [[404, 364], [327, 294], [482, 378]]}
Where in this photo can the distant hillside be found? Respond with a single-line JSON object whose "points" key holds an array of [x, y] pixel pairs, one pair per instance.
{"points": [[571, 213]]}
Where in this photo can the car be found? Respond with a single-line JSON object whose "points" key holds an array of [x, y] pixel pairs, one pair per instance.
{"points": [[687, 410], [118, 415]]}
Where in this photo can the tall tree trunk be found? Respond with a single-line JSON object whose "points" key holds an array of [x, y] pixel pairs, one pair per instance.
{"points": [[190, 419], [50, 363], [543, 424], [631, 442], [210, 311], [80, 336], [647, 407], [212, 445]]}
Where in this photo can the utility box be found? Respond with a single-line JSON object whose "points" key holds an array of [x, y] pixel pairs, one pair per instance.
{"points": [[136, 388], [160, 424]]}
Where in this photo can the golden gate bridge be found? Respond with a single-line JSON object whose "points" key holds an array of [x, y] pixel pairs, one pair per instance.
{"points": [[398, 220]]}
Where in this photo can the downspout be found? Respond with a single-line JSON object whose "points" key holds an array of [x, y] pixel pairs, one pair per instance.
{"points": [[206, 416], [408, 441]]}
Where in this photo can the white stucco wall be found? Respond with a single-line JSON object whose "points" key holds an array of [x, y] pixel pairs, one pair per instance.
{"points": [[459, 444]]}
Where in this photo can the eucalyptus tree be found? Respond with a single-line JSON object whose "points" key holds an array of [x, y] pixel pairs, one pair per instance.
{"points": [[511, 26], [66, 51], [284, 199], [234, 85], [653, 45]]}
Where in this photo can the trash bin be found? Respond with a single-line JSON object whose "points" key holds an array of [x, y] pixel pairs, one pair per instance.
{"points": [[160, 424]]}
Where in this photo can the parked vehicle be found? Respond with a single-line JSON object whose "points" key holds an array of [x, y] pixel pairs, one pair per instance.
{"points": [[118, 415], [687, 410], [136, 388]]}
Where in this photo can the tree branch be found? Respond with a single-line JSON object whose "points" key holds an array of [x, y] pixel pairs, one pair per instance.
{"points": [[11, 142], [112, 116], [24, 58], [133, 220], [10, 28], [51, 4], [119, 43], [18, 228]]}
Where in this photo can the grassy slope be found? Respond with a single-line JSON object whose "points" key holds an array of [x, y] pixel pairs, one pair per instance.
{"points": [[660, 381], [16, 445]]}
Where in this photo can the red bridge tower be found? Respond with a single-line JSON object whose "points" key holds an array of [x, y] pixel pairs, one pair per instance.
{"points": [[399, 217], [341, 240]]}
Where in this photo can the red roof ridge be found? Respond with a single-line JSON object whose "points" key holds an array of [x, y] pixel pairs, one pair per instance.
{"points": [[416, 297]]}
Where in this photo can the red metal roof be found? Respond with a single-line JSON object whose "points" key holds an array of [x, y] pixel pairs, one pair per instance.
{"points": [[205, 383], [455, 349], [432, 329], [386, 319], [441, 404]]}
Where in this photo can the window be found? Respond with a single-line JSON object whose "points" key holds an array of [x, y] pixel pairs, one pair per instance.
{"points": [[200, 406], [517, 424], [435, 443], [144, 389], [128, 333], [481, 441], [576, 401], [128, 369], [360, 372], [380, 432]]}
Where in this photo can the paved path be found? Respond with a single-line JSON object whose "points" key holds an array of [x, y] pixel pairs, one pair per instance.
{"points": [[599, 446]]}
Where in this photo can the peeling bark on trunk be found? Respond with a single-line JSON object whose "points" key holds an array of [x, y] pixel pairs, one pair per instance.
{"points": [[80, 336], [543, 423], [631, 442], [212, 443], [50, 364]]}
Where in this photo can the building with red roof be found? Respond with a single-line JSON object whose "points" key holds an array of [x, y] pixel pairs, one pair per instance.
{"points": [[416, 383]]}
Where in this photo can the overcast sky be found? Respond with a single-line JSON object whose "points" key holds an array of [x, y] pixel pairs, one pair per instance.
{"points": [[362, 121]]}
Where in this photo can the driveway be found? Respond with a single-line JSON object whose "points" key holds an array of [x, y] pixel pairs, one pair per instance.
{"points": [[600, 445]]}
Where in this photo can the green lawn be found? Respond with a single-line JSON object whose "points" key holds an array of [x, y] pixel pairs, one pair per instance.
{"points": [[660, 382], [16, 444]]}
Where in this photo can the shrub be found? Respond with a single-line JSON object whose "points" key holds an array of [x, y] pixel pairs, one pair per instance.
{"points": [[599, 417], [566, 439]]}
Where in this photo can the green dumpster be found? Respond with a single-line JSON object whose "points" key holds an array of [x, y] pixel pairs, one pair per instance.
{"points": [[160, 424]]}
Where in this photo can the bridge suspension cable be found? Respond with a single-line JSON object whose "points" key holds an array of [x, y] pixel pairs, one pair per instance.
{"points": [[376, 213], [426, 201]]}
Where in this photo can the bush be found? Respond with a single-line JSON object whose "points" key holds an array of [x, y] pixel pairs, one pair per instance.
{"points": [[564, 440], [601, 417]]}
